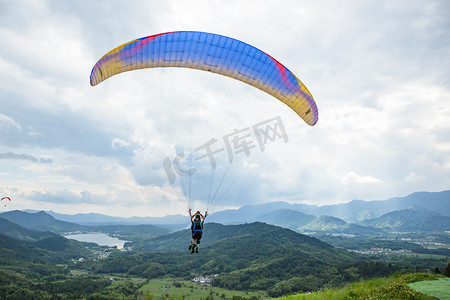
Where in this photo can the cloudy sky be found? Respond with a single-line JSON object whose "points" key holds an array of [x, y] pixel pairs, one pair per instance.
{"points": [[378, 70]]}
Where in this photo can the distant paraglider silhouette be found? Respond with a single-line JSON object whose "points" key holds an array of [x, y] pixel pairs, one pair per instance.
{"points": [[5, 198]]}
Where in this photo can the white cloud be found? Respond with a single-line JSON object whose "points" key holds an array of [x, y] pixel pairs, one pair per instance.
{"points": [[6, 122], [353, 178], [23, 156], [414, 177]]}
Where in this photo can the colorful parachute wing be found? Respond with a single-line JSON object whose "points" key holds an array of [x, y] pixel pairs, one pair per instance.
{"points": [[6, 198], [213, 53]]}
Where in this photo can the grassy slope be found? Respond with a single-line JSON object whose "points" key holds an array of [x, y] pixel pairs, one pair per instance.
{"points": [[437, 288], [394, 287]]}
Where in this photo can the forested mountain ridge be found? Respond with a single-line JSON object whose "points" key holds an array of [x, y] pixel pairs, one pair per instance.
{"points": [[411, 219], [29, 272], [253, 256], [286, 218], [13, 249], [21, 233], [214, 232], [40, 221], [328, 224], [23, 239]]}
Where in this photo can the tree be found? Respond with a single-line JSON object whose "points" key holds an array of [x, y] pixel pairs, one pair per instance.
{"points": [[148, 296], [447, 270]]}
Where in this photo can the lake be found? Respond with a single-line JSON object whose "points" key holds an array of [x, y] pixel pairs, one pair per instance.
{"points": [[99, 238]]}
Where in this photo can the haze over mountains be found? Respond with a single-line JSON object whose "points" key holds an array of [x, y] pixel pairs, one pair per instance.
{"points": [[354, 211], [401, 214]]}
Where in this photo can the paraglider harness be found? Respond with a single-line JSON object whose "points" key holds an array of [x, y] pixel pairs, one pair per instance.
{"points": [[197, 227]]}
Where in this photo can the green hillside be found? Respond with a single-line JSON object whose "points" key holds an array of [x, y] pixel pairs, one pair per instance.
{"points": [[18, 241], [324, 223], [12, 249], [40, 221], [179, 241], [286, 218], [393, 287], [31, 270], [21, 233], [331, 224], [254, 256], [410, 220]]}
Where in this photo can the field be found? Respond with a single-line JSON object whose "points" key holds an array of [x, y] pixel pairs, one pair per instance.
{"points": [[176, 289], [437, 288]]}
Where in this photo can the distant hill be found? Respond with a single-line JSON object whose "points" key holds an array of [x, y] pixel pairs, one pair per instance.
{"points": [[248, 213], [180, 240], [324, 223], [13, 230], [52, 249], [330, 224], [40, 221], [286, 218], [213, 232], [23, 239], [358, 210], [13, 249], [412, 220]]}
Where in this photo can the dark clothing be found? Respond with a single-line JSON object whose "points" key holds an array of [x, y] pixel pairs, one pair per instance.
{"points": [[197, 230]]}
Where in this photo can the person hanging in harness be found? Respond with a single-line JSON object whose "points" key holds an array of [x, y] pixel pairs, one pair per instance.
{"points": [[197, 221]]}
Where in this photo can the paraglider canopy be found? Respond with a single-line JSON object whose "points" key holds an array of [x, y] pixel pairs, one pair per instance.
{"points": [[5, 198], [213, 53]]}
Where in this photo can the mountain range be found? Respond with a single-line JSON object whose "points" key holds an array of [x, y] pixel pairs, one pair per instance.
{"points": [[354, 211], [411, 219]]}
